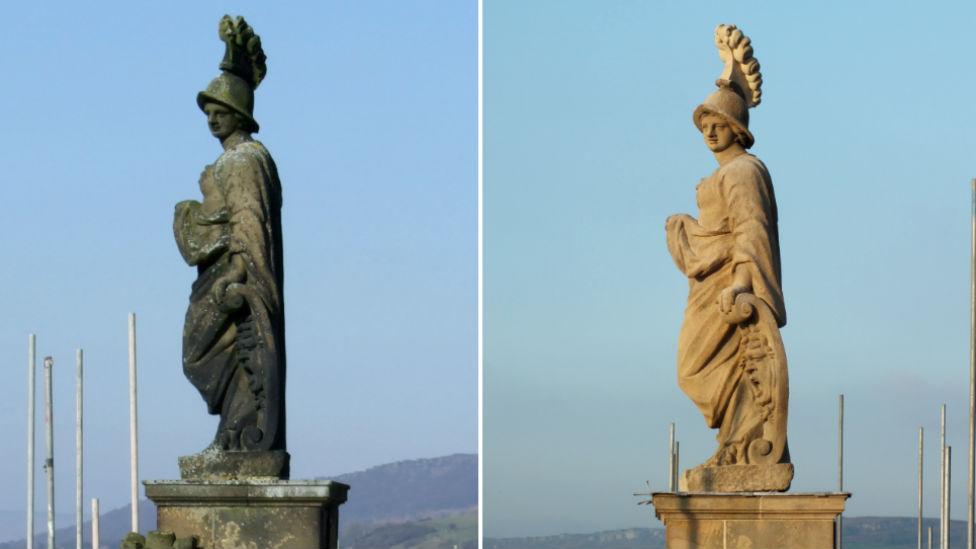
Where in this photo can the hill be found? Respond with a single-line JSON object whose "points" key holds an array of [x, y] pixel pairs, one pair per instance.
{"points": [[412, 489]]}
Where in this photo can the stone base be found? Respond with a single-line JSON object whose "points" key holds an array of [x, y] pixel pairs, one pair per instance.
{"points": [[216, 464], [738, 478], [753, 521], [255, 514]]}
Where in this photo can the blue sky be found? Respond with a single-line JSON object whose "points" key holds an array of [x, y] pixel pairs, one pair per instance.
{"points": [[369, 109], [589, 146]]}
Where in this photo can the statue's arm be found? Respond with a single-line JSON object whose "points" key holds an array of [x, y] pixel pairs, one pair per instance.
{"points": [[248, 239], [196, 237], [750, 217]]}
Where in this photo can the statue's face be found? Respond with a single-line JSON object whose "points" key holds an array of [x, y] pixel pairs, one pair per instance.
{"points": [[718, 134], [221, 120]]}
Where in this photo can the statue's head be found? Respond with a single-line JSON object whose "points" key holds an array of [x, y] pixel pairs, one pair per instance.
{"points": [[718, 133], [726, 105], [241, 71], [222, 121], [230, 93]]}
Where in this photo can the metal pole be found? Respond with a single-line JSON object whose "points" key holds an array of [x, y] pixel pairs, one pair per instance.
{"points": [[930, 537], [49, 446], [948, 502], [840, 443], [840, 531], [31, 368], [942, 478], [840, 466], [94, 525], [677, 461], [921, 441], [972, 376], [79, 477], [671, 477], [133, 433]]}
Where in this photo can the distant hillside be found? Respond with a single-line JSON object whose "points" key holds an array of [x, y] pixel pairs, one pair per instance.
{"points": [[13, 523], [859, 533], [631, 538], [411, 489], [403, 497], [113, 526], [896, 532], [447, 532]]}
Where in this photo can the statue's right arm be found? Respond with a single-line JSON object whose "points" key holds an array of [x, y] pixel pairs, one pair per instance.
{"points": [[196, 241]]}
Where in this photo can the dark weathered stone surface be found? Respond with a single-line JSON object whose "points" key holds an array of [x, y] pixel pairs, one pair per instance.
{"points": [[250, 514], [216, 464], [133, 540], [234, 335]]}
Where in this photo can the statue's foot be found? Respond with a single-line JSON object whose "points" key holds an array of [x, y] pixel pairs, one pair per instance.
{"points": [[213, 463]]}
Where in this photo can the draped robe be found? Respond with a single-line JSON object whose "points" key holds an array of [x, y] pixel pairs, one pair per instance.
{"points": [[736, 229], [233, 341]]}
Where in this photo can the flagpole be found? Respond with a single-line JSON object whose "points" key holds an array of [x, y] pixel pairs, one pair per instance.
{"points": [[972, 376], [49, 446], [133, 425], [79, 449], [31, 383]]}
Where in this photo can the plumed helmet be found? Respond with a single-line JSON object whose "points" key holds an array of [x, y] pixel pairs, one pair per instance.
{"points": [[728, 104], [241, 71], [232, 92]]}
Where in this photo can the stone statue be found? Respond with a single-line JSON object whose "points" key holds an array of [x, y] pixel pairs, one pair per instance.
{"points": [[731, 361], [234, 335]]}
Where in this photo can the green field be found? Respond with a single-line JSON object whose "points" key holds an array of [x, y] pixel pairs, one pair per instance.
{"points": [[448, 532]]}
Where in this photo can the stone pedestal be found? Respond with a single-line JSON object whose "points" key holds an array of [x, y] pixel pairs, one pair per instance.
{"points": [[765, 520], [738, 478], [251, 514]]}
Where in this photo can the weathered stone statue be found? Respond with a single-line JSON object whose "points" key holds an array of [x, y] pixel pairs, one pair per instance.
{"points": [[731, 361], [236, 493], [234, 335]]}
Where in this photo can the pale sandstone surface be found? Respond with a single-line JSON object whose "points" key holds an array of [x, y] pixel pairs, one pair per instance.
{"points": [[731, 360], [749, 521], [738, 478]]}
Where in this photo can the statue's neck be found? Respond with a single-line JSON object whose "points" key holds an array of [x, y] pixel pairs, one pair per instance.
{"points": [[235, 139], [729, 154]]}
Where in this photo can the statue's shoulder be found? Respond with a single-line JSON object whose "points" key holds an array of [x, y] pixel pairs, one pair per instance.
{"points": [[744, 164], [242, 155], [254, 148], [744, 168]]}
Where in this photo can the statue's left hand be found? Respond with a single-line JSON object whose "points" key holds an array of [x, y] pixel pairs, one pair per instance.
{"points": [[219, 289], [741, 283], [226, 293], [222, 286], [726, 299]]}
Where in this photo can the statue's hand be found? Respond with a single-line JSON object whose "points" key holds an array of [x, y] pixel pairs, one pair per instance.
{"points": [[726, 299], [675, 220], [219, 289], [226, 291], [671, 221], [206, 176]]}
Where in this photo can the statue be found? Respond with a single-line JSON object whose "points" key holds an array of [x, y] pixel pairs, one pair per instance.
{"points": [[731, 361], [234, 335]]}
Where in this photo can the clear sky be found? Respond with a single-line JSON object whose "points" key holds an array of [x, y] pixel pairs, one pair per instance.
{"points": [[866, 127], [369, 110]]}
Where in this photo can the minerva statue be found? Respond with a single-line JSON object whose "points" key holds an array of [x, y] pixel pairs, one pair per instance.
{"points": [[731, 361], [234, 335]]}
